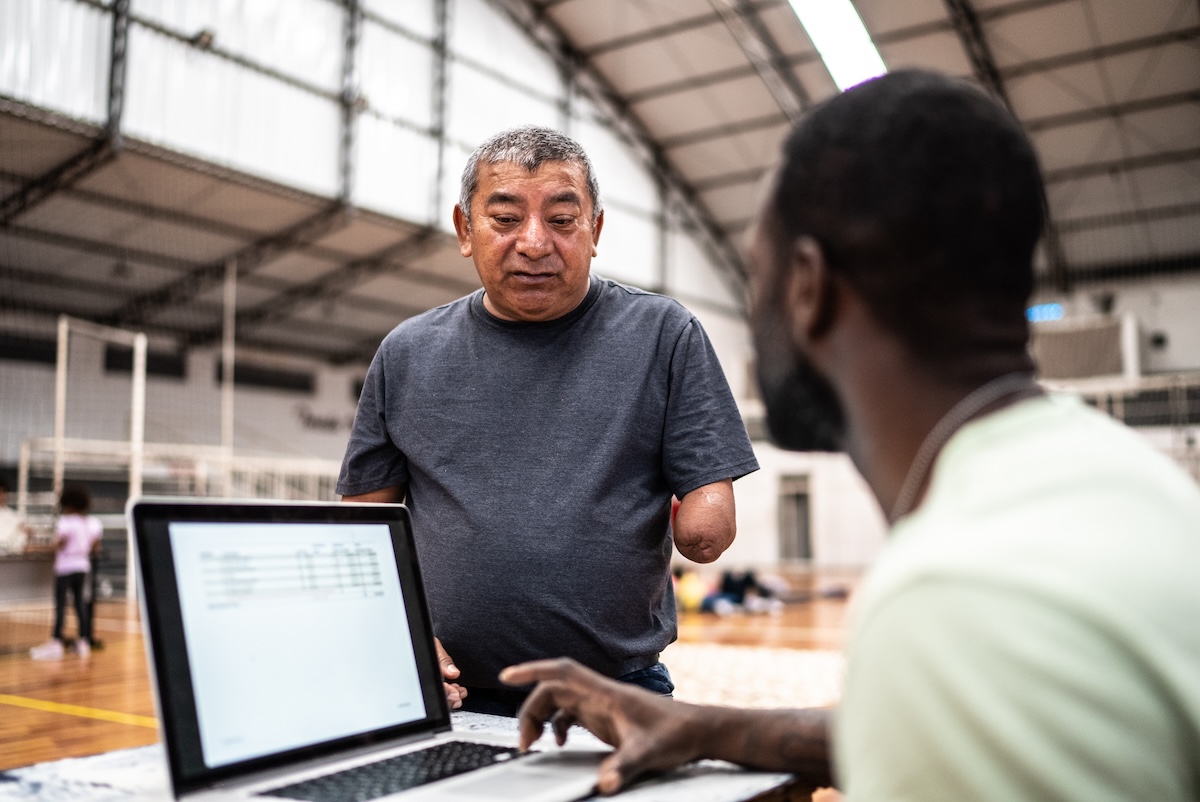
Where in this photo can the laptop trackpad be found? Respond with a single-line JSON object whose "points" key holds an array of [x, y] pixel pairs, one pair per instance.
{"points": [[565, 775]]}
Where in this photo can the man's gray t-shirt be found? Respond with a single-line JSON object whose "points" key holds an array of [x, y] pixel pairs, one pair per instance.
{"points": [[540, 460]]}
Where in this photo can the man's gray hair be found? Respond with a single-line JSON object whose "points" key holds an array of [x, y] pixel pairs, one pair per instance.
{"points": [[529, 146]]}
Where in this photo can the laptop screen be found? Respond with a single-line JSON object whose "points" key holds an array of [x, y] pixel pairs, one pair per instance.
{"points": [[283, 631], [296, 633]]}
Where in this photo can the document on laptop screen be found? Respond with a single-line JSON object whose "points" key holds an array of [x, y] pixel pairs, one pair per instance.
{"points": [[296, 634]]}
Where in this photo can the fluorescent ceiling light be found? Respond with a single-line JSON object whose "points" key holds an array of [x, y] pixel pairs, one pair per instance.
{"points": [[840, 37]]}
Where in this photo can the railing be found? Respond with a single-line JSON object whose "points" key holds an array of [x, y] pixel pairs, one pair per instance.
{"points": [[1166, 408], [172, 469], [166, 469]]}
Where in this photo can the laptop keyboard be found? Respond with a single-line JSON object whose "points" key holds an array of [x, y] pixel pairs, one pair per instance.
{"points": [[388, 776]]}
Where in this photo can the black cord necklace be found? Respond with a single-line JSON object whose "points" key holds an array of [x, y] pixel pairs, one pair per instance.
{"points": [[944, 429]]}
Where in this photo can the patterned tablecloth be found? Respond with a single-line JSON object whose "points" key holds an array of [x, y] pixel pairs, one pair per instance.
{"points": [[141, 774]]}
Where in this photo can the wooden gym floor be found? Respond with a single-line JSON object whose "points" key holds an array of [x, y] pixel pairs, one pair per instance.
{"points": [[76, 707]]}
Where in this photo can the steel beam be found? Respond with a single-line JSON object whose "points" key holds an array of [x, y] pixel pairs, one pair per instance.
{"points": [[659, 32], [46, 283], [209, 226], [98, 153], [441, 65], [712, 79], [248, 259], [147, 211], [1173, 212], [1113, 110], [588, 80], [720, 131], [1181, 36], [106, 290], [921, 29], [764, 54], [891, 37], [970, 33], [1136, 269], [94, 156], [97, 248], [114, 251], [723, 180], [351, 101], [1089, 169], [117, 64], [329, 286]]}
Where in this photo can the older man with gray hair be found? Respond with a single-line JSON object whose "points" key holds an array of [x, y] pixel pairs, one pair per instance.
{"points": [[538, 429]]}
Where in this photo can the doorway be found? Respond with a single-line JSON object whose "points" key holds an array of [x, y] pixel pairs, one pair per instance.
{"points": [[795, 526]]}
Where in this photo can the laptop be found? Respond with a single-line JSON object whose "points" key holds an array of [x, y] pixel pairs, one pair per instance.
{"points": [[291, 654]]}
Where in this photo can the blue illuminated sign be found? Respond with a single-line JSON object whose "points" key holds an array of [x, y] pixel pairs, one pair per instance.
{"points": [[1041, 312]]}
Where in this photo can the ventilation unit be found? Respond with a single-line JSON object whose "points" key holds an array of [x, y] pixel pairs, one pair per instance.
{"points": [[1080, 348]]}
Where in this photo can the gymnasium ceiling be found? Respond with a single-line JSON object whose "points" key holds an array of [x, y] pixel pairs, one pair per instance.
{"points": [[1109, 90]]}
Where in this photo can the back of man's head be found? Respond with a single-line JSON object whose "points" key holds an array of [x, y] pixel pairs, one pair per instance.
{"points": [[529, 146], [925, 196]]}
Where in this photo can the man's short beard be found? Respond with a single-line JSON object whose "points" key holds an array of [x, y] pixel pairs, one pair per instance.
{"points": [[803, 410]]}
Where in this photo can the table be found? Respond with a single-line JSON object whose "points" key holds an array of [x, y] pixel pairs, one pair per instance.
{"points": [[140, 775]]}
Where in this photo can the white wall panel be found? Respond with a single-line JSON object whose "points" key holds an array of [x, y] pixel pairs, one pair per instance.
{"points": [[628, 250], [621, 173], [300, 38], [583, 110], [482, 34], [455, 160], [480, 106], [415, 16], [197, 103], [734, 202], [730, 336], [692, 274], [396, 75], [55, 54], [847, 526], [395, 171]]}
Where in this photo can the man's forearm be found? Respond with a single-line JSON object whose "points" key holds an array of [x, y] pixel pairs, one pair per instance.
{"points": [[795, 741], [653, 733], [705, 523]]}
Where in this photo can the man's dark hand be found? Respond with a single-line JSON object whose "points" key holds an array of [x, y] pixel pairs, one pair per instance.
{"points": [[649, 732]]}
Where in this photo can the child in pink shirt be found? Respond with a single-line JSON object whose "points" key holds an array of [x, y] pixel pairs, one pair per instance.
{"points": [[77, 534]]}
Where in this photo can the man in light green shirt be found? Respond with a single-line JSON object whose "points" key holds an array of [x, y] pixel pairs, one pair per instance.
{"points": [[1031, 631]]}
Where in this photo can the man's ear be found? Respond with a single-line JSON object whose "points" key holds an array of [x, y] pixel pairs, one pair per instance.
{"points": [[462, 227], [596, 226], [809, 291]]}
